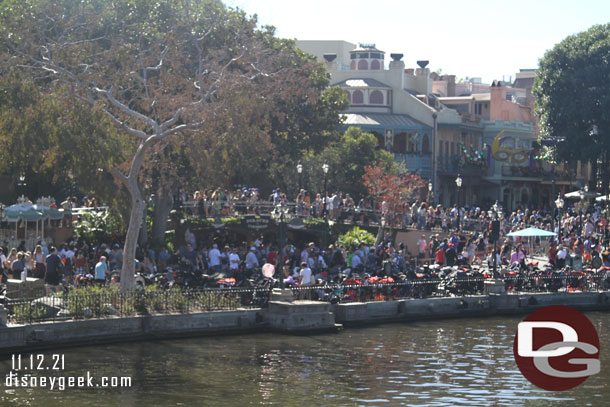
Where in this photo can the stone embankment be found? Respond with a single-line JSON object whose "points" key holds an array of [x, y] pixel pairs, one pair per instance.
{"points": [[282, 315]]}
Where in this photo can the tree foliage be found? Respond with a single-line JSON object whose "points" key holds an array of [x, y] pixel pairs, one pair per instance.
{"points": [[571, 93], [347, 159], [48, 139], [352, 239], [393, 189]]}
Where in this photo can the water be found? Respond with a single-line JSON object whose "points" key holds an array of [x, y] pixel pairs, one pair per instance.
{"points": [[466, 362]]}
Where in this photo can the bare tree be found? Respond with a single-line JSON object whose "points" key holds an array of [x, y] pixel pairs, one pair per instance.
{"points": [[157, 73]]}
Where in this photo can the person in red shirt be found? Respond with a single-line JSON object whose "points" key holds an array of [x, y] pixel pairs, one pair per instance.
{"points": [[272, 256], [439, 256]]}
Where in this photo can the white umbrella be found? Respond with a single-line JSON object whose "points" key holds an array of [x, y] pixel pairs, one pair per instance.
{"points": [[580, 194], [529, 232]]}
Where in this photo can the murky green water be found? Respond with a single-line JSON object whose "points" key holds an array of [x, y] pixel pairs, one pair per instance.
{"points": [[467, 362]]}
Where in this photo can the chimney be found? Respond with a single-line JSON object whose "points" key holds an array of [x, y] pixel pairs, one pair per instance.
{"points": [[450, 84], [397, 67], [329, 59], [422, 74], [497, 100]]}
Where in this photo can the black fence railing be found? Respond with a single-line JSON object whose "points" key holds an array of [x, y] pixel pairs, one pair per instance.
{"points": [[342, 214], [85, 304]]}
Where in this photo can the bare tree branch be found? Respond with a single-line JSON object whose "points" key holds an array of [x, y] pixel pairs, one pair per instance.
{"points": [[148, 120]]}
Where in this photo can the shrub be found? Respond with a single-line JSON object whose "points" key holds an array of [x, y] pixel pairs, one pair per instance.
{"points": [[352, 239]]}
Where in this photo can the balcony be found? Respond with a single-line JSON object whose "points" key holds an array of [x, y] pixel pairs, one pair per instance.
{"points": [[522, 172], [451, 166], [419, 163]]}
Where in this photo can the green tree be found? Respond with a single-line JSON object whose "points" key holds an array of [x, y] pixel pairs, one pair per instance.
{"points": [[54, 143], [347, 159], [156, 69], [572, 98]]}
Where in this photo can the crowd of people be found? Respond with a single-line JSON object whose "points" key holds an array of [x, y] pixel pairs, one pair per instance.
{"points": [[449, 236]]}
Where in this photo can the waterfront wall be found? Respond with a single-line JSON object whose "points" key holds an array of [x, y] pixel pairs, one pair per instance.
{"points": [[468, 306], [90, 332], [306, 317]]}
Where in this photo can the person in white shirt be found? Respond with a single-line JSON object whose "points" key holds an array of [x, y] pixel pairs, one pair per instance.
{"points": [[234, 259], [305, 280], [562, 254], [214, 258]]}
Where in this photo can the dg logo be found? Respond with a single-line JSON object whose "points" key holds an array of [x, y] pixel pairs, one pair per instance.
{"points": [[557, 348]]}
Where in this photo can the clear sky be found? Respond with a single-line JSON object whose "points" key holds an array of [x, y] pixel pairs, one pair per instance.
{"points": [[467, 38]]}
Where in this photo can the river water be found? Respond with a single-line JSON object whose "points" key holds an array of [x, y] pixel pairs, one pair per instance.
{"points": [[462, 362]]}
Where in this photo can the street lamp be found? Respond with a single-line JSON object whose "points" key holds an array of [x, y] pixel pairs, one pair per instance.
{"points": [[496, 211], [458, 183], [559, 205], [299, 171], [325, 171], [430, 191], [280, 214]]}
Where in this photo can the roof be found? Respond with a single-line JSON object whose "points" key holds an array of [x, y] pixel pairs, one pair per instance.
{"points": [[523, 83], [481, 97], [361, 83], [382, 119]]}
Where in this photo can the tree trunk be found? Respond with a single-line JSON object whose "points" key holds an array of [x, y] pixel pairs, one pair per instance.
{"points": [[129, 251], [138, 206], [143, 235], [163, 206]]}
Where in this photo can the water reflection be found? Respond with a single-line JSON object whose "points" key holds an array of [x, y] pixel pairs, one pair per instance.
{"points": [[444, 363]]}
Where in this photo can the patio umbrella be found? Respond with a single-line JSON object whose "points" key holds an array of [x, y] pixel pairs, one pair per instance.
{"points": [[529, 232], [581, 194]]}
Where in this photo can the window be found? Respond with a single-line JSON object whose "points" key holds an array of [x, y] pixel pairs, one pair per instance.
{"points": [[357, 97], [363, 65], [375, 55], [400, 143], [477, 108], [375, 64], [363, 55], [349, 97], [411, 146], [425, 145], [376, 97], [352, 65]]}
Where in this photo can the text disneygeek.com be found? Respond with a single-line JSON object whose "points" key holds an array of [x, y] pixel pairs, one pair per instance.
{"points": [[14, 380]]}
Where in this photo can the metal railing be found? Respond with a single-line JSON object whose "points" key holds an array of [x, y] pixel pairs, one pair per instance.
{"points": [[85, 304], [344, 214]]}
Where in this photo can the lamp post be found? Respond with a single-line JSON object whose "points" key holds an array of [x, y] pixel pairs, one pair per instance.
{"points": [[279, 215], [458, 183], [300, 172], [496, 211], [325, 171], [559, 205], [430, 198]]}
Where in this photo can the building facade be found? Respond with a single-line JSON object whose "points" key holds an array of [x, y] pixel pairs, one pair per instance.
{"points": [[440, 129]]}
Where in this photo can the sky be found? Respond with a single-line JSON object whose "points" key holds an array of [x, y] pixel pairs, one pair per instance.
{"points": [[467, 38]]}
